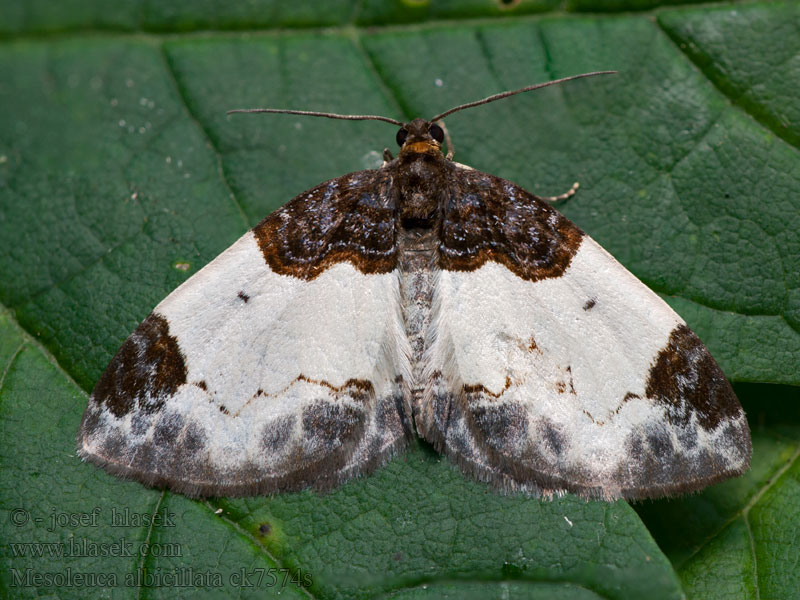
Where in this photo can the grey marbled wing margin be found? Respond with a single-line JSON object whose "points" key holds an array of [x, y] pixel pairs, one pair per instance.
{"points": [[494, 441], [129, 429]]}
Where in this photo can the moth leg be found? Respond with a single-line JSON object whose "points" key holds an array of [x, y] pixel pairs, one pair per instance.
{"points": [[568, 194]]}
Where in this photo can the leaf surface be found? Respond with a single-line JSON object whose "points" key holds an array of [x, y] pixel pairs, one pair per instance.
{"points": [[121, 176]]}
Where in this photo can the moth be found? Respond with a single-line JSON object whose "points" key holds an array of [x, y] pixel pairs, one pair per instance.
{"points": [[420, 298]]}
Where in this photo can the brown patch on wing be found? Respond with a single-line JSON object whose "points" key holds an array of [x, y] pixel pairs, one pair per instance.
{"points": [[360, 390], [351, 219], [499, 443], [147, 369], [686, 378], [590, 304], [490, 219], [625, 398], [561, 385], [362, 385], [477, 388]]}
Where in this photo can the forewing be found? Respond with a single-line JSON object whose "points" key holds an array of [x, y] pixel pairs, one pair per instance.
{"points": [[277, 366], [551, 368]]}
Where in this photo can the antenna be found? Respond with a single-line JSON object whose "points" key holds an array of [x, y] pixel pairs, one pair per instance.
{"points": [[311, 113], [527, 88], [501, 95]]}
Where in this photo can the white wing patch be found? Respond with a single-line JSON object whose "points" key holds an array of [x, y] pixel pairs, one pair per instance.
{"points": [[280, 390], [422, 294], [543, 386]]}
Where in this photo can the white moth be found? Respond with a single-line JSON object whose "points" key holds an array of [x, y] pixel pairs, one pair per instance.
{"points": [[422, 297]]}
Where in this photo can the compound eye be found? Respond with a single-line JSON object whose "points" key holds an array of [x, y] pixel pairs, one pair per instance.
{"points": [[401, 137], [436, 133]]}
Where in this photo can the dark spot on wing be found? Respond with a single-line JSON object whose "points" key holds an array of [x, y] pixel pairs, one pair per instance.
{"points": [[357, 389], [277, 433], [328, 427], [194, 439], [146, 371], [140, 423], [590, 304], [178, 453], [390, 414], [502, 426], [658, 442], [242, 296], [571, 381], [625, 398], [350, 219], [686, 379], [554, 440], [167, 430], [656, 467], [114, 443], [202, 385], [489, 219], [479, 389], [687, 436]]}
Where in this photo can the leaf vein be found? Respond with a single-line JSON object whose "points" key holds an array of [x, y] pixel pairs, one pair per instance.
{"points": [[182, 95], [146, 546]]}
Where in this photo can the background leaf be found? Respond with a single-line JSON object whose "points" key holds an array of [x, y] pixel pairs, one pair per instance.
{"points": [[121, 176]]}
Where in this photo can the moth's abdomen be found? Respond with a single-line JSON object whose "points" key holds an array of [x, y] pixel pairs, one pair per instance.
{"points": [[417, 254]]}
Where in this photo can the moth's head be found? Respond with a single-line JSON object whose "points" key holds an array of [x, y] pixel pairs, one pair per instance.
{"points": [[420, 137]]}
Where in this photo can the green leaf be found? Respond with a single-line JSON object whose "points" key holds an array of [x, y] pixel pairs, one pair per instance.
{"points": [[121, 176], [738, 539]]}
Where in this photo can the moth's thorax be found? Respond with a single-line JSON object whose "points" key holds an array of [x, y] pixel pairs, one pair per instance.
{"points": [[420, 179], [420, 185]]}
